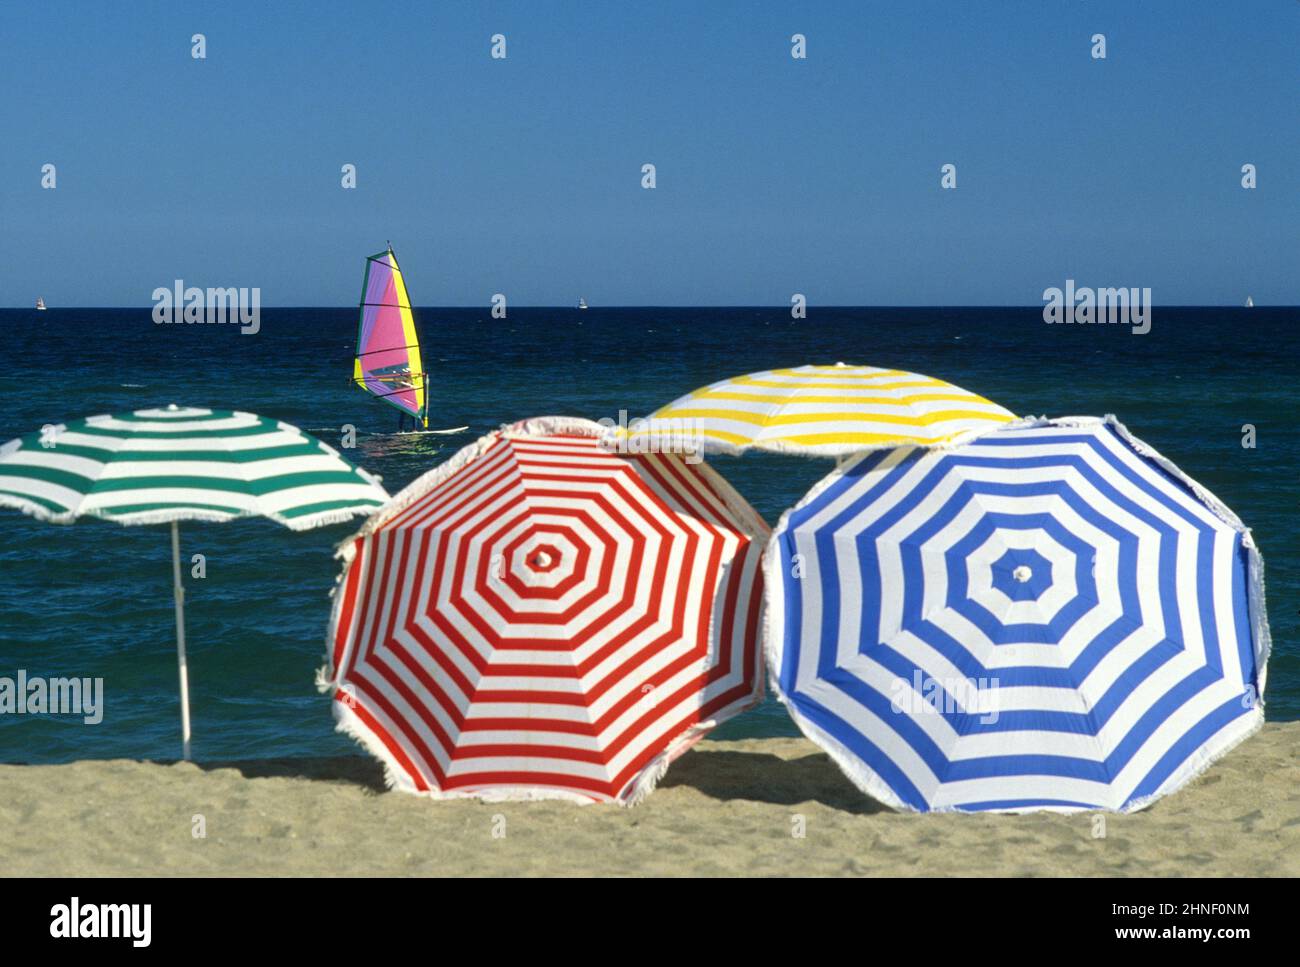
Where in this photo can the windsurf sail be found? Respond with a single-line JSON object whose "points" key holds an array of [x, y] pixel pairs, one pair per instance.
{"points": [[388, 363]]}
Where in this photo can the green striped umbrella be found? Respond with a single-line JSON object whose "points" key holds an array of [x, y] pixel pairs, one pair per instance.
{"points": [[180, 463]]}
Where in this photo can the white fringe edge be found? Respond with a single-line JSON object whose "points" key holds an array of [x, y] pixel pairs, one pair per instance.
{"points": [[181, 515], [326, 677], [324, 518], [396, 779], [1191, 769], [1256, 605], [867, 780], [657, 768], [749, 519], [864, 778], [704, 444], [1257, 608]]}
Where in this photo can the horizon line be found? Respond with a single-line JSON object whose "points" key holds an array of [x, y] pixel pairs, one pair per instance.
{"points": [[782, 306]]}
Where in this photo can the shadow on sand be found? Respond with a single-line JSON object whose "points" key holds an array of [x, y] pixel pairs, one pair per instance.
{"points": [[716, 772], [357, 770], [724, 774]]}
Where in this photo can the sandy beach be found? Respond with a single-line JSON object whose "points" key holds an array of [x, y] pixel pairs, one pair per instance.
{"points": [[725, 808]]}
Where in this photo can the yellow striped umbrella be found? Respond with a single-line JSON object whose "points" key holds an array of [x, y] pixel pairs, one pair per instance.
{"points": [[827, 411]]}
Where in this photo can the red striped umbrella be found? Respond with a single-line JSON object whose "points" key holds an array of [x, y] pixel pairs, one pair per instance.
{"points": [[541, 617]]}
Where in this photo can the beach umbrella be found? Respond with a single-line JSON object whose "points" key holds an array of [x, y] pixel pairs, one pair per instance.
{"points": [[1051, 617], [825, 411], [163, 466], [544, 617]]}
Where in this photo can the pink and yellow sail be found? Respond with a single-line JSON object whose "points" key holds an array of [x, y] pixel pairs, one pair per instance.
{"points": [[388, 362]]}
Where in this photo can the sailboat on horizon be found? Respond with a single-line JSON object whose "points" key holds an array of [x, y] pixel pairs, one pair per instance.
{"points": [[388, 364], [40, 304], [1250, 303]]}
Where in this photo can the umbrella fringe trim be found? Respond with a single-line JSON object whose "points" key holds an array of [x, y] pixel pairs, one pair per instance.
{"points": [[709, 446], [1143, 449], [868, 782], [322, 519], [38, 512], [396, 779], [324, 680], [346, 723], [182, 515], [735, 503], [759, 532], [657, 768], [68, 517], [864, 778], [1256, 606], [640, 787], [1181, 779], [647, 781]]}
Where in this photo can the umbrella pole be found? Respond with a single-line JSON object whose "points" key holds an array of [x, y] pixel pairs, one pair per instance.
{"points": [[178, 592]]}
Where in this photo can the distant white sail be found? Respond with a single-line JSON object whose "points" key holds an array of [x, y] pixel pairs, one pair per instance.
{"points": [[1250, 303]]}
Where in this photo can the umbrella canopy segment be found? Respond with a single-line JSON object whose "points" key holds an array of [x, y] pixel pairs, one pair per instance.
{"points": [[540, 617], [182, 463], [822, 411], [1050, 617], [178, 463]]}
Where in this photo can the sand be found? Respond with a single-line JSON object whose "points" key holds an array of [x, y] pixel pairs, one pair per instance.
{"points": [[724, 809]]}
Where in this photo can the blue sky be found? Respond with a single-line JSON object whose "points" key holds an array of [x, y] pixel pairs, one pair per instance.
{"points": [[774, 175]]}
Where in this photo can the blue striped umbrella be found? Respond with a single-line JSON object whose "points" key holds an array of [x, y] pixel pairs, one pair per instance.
{"points": [[1050, 617]]}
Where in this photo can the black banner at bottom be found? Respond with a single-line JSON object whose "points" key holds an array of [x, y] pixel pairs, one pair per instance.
{"points": [[222, 915]]}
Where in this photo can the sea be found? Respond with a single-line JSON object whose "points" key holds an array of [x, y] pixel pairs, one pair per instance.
{"points": [[1217, 390]]}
